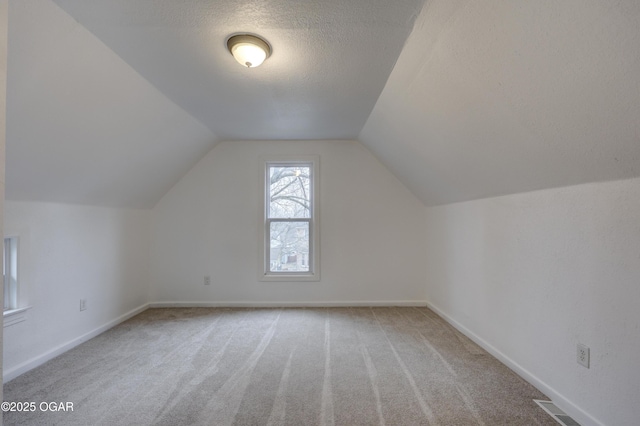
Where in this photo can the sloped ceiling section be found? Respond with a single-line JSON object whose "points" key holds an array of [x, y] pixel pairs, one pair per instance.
{"points": [[492, 98], [330, 60], [84, 127]]}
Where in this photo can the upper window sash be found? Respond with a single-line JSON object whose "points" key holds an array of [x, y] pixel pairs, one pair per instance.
{"points": [[289, 192]]}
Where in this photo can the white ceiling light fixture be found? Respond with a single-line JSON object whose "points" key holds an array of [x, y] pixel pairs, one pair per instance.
{"points": [[248, 49]]}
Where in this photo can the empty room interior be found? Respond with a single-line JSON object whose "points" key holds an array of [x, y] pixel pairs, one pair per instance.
{"points": [[411, 212]]}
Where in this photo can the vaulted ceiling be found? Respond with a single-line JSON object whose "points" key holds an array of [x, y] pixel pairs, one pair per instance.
{"points": [[109, 102], [499, 97]]}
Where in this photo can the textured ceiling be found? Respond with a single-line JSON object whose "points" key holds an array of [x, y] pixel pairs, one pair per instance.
{"points": [[109, 102], [493, 98], [330, 59]]}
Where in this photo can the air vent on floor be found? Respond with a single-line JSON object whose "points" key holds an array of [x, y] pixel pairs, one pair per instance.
{"points": [[559, 415]]}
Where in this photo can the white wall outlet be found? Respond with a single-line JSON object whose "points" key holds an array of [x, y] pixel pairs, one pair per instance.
{"points": [[207, 280], [583, 355], [83, 304]]}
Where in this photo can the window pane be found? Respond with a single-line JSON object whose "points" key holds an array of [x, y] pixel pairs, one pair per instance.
{"points": [[289, 195], [10, 272], [289, 247], [5, 273]]}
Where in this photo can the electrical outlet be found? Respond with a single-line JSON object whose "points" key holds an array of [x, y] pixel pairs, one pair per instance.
{"points": [[83, 304], [583, 355], [207, 280]]}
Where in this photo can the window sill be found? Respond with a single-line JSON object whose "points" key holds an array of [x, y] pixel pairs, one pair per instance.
{"points": [[290, 277], [15, 316]]}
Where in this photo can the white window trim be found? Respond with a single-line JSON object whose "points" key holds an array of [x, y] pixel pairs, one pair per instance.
{"points": [[15, 316], [10, 253], [15, 313], [314, 230]]}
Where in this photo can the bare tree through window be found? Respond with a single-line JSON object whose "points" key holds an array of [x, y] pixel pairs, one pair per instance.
{"points": [[289, 214]]}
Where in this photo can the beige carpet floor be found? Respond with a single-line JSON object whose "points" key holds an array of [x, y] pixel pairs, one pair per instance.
{"points": [[324, 366]]}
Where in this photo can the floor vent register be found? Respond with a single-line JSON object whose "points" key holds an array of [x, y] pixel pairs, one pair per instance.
{"points": [[559, 415]]}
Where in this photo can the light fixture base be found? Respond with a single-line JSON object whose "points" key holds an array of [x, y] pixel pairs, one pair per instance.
{"points": [[248, 49]]}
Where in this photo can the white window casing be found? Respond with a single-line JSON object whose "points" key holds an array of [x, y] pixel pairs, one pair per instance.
{"points": [[288, 222], [10, 273]]}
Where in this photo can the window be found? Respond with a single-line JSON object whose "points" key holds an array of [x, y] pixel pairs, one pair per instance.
{"points": [[290, 223], [10, 273], [13, 313]]}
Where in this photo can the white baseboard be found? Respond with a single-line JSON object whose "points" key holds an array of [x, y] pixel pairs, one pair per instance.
{"points": [[248, 304], [577, 413], [41, 359]]}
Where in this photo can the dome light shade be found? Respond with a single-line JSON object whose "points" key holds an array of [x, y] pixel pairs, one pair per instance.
{"points": [[249, 50]]}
